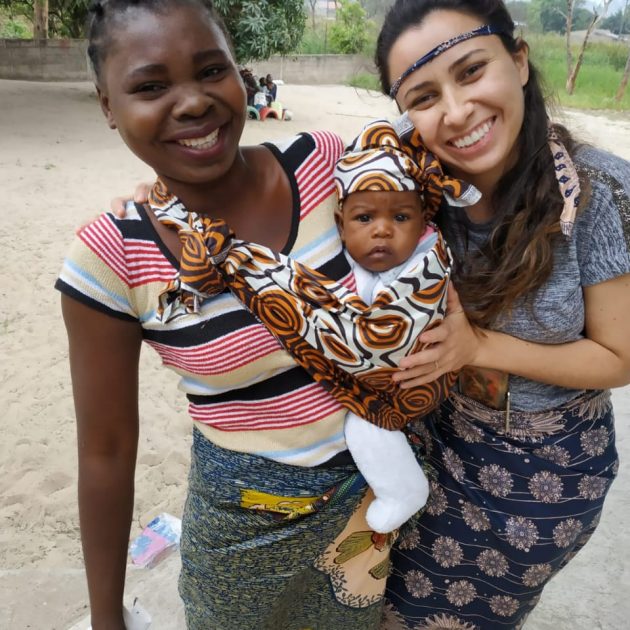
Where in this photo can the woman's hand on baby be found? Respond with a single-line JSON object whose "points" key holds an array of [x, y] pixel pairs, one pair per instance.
{"points": [[118, 205], [448, 347]]}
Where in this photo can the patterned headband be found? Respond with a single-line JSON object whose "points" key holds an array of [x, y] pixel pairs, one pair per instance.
{"points": [[486, 29], [392, 157]]}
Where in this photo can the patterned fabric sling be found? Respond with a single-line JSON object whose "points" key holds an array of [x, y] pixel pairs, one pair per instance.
{"points": [[348, 347], [327, 329]]}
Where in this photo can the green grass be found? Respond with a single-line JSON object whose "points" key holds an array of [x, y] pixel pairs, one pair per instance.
{"points": [[366, 81], [314, 41], [599, 77]]}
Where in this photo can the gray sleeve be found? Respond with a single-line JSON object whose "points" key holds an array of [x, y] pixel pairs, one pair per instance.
{"points": [[603, 239]]}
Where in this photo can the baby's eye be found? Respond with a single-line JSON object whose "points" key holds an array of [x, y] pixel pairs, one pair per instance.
{"points": [[363, 218], [401, 218]]}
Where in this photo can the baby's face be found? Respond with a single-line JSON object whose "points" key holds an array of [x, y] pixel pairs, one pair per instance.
{"points": [[381, 229]]}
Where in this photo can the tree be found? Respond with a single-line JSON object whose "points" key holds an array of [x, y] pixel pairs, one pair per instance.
{"points": [[376, 8], [313, 5], [624, 81], [261, 28], [598, 14], [349, 33], [40, 19], [618, 22], [52, 18], [551, 15]]}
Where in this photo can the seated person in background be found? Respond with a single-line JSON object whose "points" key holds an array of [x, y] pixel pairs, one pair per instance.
{"points": [[263, 88], [251, 86], [272, 88], [260, 100]]}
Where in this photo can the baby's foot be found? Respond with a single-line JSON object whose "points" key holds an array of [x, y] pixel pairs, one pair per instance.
{"points": [[387, 513]]}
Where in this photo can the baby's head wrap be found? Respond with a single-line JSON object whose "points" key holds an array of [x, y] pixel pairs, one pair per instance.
{"points": [[388, 157]]}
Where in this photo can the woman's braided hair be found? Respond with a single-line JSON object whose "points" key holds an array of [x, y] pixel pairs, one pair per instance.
{"points": [[102, 13]]}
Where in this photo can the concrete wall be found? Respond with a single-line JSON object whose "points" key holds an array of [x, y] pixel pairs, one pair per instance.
{"points": [[314, 69], [44, 60], [66, 60]]}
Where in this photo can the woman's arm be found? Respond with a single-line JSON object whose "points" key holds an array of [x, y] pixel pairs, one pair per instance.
{"points": [[104, 353], [599, 361]]}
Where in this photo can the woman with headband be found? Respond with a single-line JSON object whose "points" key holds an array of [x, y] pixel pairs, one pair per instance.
{"points": [[524, 447]]}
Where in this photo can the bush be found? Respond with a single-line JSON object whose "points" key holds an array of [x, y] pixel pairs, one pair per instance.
{"points": [[349, 33], [13, 29]]}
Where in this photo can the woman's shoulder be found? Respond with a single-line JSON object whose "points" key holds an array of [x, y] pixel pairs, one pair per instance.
{"points": [[314, 146], [113, 241], [112, 261], [608, 178], [603, 166], [603, 226]]}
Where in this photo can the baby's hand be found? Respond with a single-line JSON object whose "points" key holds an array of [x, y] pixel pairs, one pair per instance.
{"points": [[141, 195]]}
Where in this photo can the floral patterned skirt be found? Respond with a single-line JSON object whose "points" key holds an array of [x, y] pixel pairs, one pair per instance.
{"points": [[510, 506], [268, 546]]}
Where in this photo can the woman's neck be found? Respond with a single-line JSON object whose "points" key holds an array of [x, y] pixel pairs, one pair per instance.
{"points": [[221, 197], [486, 184]]}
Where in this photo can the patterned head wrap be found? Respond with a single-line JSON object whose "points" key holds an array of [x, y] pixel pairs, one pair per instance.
{"points": [[392, 158], [486, 29]]}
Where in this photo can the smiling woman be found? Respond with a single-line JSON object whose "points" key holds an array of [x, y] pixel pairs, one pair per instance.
{"points": [[148, 93], [271, 484], [542, 266]]}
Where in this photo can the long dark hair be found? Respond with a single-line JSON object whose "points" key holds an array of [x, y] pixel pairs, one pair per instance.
{"points": [[518, 256]]}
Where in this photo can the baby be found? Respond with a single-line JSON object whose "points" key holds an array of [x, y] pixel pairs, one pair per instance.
{"points": [[382, 220]]}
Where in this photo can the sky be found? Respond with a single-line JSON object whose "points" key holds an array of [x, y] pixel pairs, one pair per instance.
{"points": [[617, 5]]}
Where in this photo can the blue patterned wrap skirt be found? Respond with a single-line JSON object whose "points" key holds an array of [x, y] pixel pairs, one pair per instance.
{"points": [[510, 506], [255, 545]]}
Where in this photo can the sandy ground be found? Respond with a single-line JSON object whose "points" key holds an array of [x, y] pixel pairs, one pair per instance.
{"points": [[59, 165]]}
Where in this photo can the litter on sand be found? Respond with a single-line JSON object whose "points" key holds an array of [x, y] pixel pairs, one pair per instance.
{"points": [[159, 538]]}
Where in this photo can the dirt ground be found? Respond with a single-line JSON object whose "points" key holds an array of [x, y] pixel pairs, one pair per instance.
{"points": [[59, 166]]}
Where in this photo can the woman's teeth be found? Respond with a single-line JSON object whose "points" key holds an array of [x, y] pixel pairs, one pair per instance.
{"points": [[474, 137], [201, 143]]}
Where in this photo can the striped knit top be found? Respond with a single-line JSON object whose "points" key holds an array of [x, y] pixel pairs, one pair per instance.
{"points": [[245, 392]]}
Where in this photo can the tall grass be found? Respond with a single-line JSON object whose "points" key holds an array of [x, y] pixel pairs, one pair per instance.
{"points": [[599, 77]]}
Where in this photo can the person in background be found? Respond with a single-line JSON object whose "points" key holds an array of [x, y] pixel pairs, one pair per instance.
{"points": [[262, 86], [251, 85], [272, 88]]}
